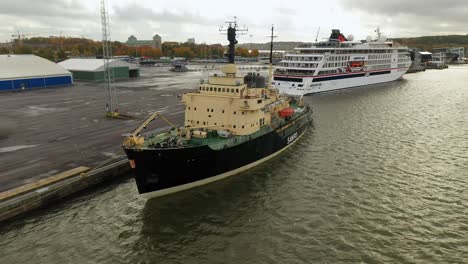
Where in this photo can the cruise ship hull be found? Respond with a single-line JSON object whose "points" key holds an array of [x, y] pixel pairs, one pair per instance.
{"points": [[303, 85], [163, 171]]}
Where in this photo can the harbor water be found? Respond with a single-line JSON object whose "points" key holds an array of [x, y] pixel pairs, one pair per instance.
{"points": [[381, 176]]}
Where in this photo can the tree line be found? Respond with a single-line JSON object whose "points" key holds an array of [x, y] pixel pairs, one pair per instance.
{"points": [[58, 49]]}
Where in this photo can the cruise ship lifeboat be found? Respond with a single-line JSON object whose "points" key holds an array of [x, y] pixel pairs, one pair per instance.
{"points": [[356, 66], [286, 112]]}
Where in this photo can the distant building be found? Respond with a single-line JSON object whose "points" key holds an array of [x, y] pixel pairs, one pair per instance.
{"points": [[93, 69], [156, 42], [191, 40], [21, 72], [439, 58], [452, 53], [425, 56], [264, 56]]}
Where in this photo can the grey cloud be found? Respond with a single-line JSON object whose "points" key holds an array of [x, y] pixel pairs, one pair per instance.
{"points": [[413, 18], [414, 7], [134, 12], [49, 8], [285, 11]]}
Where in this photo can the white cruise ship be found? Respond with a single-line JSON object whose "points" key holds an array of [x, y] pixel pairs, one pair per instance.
{"points": [[340, 63]]}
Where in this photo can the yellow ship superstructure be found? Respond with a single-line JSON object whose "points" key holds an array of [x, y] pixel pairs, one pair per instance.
{"points": [[227, 103]]}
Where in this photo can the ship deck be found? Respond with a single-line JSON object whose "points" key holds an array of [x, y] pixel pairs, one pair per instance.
{"points": [[213, 139]]}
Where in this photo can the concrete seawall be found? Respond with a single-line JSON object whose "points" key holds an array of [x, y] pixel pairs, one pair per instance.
{"points": [[55, 188]]}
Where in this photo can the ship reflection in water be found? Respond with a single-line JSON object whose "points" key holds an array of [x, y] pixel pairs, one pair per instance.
{"points": [[381, 177]]}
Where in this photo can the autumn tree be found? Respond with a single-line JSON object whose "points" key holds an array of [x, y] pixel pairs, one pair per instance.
{"points": [[243, 52], [254, 53]]}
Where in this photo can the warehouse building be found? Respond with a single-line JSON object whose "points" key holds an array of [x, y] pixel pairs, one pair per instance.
{"points": [[21, 72], [93, 69]]}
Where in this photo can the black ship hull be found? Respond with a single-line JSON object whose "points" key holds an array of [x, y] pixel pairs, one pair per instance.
{"points": [[167, 170]]}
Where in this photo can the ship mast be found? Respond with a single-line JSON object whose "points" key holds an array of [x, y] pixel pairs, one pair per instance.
{"points": [[232, 32], [272, 36]]}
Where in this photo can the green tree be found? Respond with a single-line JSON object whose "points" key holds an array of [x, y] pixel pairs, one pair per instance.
{"points": [[23, 50]]}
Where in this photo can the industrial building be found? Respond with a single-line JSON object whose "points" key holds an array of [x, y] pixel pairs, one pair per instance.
{"points": [[93, 69], [21, 72], [452, 53], [156, 42]]}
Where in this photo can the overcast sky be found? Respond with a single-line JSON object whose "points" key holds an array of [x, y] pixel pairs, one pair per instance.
{"points": [[177, 20]]}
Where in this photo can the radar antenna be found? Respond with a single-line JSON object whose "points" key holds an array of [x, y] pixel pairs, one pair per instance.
{"points": [[232, 31]]}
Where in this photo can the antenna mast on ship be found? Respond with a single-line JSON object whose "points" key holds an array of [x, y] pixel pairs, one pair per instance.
{"points": [[379, 34], [272, 36], [316, 36], [232, 32]]}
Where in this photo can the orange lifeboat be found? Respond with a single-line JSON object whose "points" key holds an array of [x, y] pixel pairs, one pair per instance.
{"points": [[286, 112], [356, 64]]}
